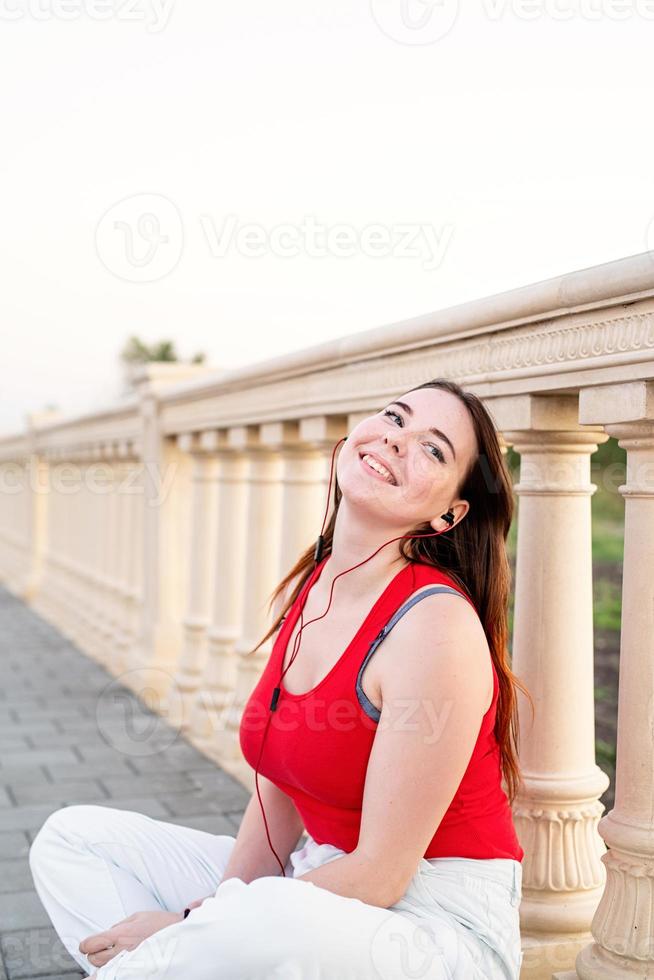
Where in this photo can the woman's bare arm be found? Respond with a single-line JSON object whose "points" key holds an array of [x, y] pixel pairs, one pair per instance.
{"points": [[251, 856]]}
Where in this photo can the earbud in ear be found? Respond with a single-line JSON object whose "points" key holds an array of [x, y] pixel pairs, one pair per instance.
{"points": [[449, 517]]}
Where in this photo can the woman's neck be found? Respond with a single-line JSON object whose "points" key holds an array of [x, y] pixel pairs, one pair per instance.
{"points": [[355, 541]]}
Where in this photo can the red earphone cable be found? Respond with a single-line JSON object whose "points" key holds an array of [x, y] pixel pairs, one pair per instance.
{"points": [[296, 645]]}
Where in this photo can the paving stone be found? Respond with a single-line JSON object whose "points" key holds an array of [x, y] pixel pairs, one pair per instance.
{"points": [[13, 844], [67, 739], [22, 910], [212, 823], [121, 747], [15, 876], [63, 742], [31, 757], [169, 761], [63, 792], [39, 713], [13, 743], [118, 766], [37, 952], [195, 803], [170, 782], [24, 774], [142, 804], [26, 817], [34, 727]]}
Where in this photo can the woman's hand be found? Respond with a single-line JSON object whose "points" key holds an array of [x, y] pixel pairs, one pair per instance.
{"points": [[127, 934]]}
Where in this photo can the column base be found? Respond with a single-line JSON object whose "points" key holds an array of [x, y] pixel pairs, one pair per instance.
{"points": [[597, 963], [547, 956]]}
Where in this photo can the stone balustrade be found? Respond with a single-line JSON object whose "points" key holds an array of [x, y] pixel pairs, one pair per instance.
{"points": [[154, 533]]}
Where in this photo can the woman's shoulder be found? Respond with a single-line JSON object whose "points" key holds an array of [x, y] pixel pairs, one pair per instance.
{"points": [[426, 575]]}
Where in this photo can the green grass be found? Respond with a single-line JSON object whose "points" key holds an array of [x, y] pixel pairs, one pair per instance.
{"points": [[608, 473], [604, 753], [607, 605], [607, 540]]}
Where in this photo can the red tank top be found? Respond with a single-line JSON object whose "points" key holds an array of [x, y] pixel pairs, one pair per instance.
{"points": [[318, 742]]}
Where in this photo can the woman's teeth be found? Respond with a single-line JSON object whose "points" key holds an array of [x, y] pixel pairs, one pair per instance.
{"points": [[374, 465]]}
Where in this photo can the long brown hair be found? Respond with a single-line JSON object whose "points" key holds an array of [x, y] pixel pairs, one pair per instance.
{"points": [[473, 554]]}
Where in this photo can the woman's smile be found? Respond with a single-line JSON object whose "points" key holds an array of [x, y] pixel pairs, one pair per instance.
{"points": [[370, 469]]}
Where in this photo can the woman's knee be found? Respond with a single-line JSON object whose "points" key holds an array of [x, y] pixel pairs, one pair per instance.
{"points": [[63, 825]]}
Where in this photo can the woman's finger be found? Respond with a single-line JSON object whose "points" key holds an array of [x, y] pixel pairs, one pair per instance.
{"points": [[104, 956], [93, 944]]}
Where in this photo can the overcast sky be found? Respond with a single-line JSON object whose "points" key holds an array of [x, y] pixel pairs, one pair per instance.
{"points": [[249, 179]]}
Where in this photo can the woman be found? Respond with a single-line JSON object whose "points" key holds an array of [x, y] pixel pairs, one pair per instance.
{"points": [[392, 763]]}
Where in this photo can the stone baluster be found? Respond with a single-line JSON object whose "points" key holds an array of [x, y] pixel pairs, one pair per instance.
{"points": [[107, 532], [43, 603], [262, 558], [87, 546], [306, 481], [216, 690], [557, 811], [201, 542], [124, 535], [73, 553], [135, 561], [623, 925]]}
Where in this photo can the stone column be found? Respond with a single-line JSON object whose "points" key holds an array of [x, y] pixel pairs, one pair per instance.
{"points": [[262, 559], [48, 604], [88, 544], [152, 479], [135, 561], [67, 490], [114, 504], [107, 503], [125, 536], [217, 686], [557, 812], [193, 655], [74, 542], [305, 478], [623, 925]]}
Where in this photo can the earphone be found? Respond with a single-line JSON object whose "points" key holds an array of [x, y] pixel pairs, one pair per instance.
{"points": [[318, 552]]}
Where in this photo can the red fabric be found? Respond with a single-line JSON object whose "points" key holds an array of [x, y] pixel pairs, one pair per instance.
{"points": [[318, 743]]}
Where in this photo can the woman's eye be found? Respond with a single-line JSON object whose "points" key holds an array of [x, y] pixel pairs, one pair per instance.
{"points": [[437, 454]]}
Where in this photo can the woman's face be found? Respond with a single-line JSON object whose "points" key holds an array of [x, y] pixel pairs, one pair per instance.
{"points": [[426, 466]]}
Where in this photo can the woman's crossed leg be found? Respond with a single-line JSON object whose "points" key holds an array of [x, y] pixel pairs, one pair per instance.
{"points": [[94, 866]]}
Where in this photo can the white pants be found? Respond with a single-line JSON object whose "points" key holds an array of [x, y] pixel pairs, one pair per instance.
{"points": [[94, 865]]}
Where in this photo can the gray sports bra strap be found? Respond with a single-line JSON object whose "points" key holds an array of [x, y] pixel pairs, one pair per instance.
{"points": [[370, 709]]}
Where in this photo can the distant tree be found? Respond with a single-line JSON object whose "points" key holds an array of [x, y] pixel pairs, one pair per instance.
{"points": [[136, 353]]}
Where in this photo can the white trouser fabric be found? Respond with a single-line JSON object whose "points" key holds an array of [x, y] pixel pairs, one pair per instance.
{"points": [[94, 865]]}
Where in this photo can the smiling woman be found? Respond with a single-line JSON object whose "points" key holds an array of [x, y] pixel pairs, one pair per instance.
{"points": [[391, 741]]}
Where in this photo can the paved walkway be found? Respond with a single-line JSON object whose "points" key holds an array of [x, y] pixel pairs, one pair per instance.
{"points": [[70, 733]]}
